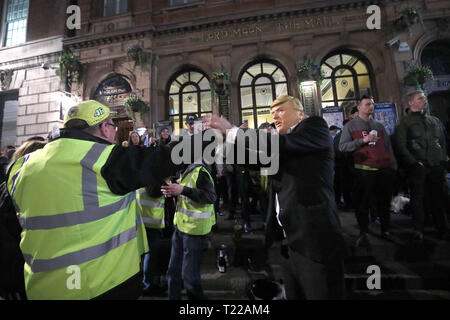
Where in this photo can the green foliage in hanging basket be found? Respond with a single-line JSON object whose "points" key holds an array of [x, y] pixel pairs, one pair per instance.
{"points": [[309, 71], [135, 104], [221, 75], [418, 76], [137, 55], [407, 18], [70, 65], [220, 83]]}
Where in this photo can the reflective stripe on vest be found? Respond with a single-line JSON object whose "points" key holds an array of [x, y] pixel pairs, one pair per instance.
{"points": [[14, 178], [147, 220], [149, 203], [196, 215], [81, 256]]}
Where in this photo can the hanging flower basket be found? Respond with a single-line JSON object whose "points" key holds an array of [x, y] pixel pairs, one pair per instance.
{"points": [[220, 76], [407, 18], [412, 15], [418, 76], [137, 55], [219, 82], [70, 65], [308, 71], [135, 105], [5, 78]]}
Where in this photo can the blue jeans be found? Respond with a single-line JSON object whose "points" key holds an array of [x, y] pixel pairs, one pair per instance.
{"points": [[150, 264], [184, 266]]}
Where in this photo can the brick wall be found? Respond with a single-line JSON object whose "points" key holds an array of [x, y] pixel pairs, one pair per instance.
{"points": [[46, 18]]}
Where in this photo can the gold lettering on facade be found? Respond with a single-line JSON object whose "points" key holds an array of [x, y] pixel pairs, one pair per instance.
{"points": [[285, 25], [233, 33]]}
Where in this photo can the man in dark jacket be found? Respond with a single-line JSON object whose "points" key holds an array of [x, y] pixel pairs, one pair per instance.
{"points": [[421, 146], [302, 209]]}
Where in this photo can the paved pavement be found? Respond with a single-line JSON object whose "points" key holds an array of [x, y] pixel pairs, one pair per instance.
{"points": [[409, 270]]}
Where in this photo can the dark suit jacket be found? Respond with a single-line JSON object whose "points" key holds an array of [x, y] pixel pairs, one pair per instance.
{"points": [[304, 184]]}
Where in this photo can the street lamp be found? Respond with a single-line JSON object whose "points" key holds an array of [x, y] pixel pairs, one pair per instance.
{"points": [[308, 90]]}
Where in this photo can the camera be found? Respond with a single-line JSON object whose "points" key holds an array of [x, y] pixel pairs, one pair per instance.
{"points": [[392, 42]]}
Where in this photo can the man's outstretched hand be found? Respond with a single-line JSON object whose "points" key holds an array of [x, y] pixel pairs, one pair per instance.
{"points": [[216, 122]]}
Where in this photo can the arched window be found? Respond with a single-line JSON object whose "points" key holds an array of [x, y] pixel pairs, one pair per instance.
{"points": [[348, 77], [259, 85], [189, 92], [434, 56]]}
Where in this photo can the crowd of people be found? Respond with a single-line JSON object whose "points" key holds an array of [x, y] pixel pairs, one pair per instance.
{"points": [[372, 167], [109, 204]]}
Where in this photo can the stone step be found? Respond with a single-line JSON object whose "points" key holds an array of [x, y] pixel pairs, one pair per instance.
{"points": [[408, 270]]}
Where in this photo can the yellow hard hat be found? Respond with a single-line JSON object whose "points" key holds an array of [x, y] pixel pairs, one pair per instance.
{"points": [[91, 111]]}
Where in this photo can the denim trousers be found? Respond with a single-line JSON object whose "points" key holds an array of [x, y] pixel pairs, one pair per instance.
{"points": [[150, 264], [184, 266]]}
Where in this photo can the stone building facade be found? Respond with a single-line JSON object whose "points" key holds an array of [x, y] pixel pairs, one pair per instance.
{"points": [[260, 44], [28, 94]]}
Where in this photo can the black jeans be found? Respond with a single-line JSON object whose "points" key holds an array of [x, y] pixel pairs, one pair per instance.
{"points": [[427, 196], [221, 191], [243, 186], [377, 184], [307, 279]]}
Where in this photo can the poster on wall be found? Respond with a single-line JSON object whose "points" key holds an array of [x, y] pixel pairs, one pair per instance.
{"points": [[333, 116], [161, 125], [386, 113]]}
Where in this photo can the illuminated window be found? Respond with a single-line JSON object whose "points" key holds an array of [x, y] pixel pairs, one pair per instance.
{"points": [[113, 7], [259, 85], [348, 77], [189, 92], [16, 22]]}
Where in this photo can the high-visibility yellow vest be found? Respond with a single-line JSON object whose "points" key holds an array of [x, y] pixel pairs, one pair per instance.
{"points": [[78, 238], [141, 234], [192, 217], [150, 209], [150, 214]]}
